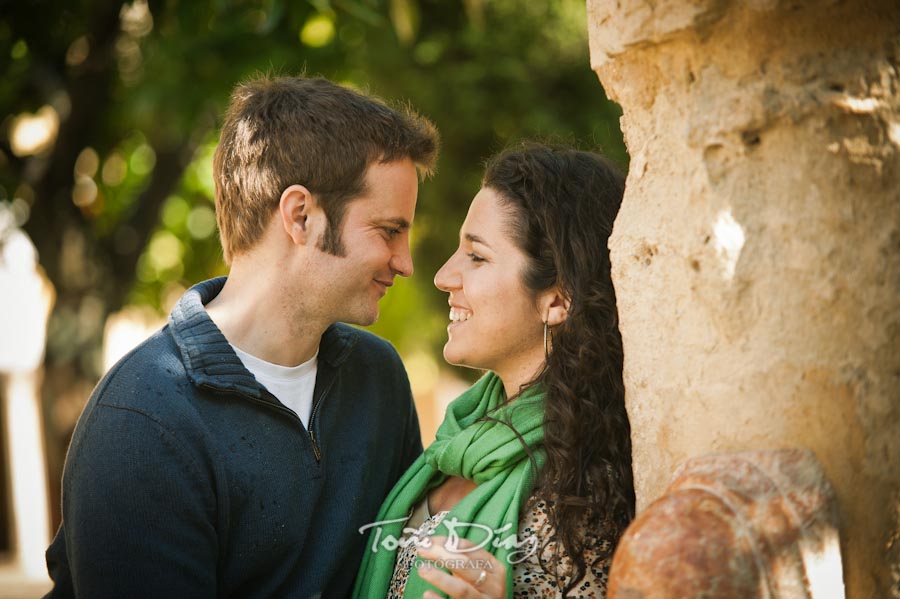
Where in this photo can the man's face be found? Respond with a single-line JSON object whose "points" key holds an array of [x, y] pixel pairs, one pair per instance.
{"points": [[375, 240]]}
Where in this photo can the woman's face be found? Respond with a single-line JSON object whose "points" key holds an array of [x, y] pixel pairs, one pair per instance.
{"points": [[495, 322]]}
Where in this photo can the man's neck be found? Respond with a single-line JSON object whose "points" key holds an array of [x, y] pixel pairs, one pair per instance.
{"points": [[258, 314]]}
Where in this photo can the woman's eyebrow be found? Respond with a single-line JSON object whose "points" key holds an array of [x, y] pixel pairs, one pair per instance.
{"points": [[476, 239]]}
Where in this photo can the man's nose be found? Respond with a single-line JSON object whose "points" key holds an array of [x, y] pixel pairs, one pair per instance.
{"points": [[401, 262]]}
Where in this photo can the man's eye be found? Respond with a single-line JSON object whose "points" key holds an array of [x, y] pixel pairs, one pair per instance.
{"points": [[392, 232], [475, 257]]}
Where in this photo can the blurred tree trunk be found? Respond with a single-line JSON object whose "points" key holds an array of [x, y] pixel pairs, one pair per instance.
{"points": [[92, 274]]}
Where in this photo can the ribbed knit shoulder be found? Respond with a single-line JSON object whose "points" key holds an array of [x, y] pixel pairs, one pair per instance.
{"points": [[370, 344], [150, 379], [381, 360]]}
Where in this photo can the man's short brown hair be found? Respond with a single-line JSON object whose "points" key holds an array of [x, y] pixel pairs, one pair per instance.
{"points": [[308, 131]]}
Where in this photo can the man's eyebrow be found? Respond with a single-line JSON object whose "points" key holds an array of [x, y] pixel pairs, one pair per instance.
{"points": [[398, 221], [476, 239]]}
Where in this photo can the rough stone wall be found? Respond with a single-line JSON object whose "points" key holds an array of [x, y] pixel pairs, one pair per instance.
{"points": [[756, 256]]}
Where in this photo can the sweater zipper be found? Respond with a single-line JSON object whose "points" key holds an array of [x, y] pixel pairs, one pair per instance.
{"points": [[312, 420], [317, 453], [312, 435]]}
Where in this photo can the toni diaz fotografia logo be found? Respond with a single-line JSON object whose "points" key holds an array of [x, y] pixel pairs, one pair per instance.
{"points": [[456, 564], [497, 538]]}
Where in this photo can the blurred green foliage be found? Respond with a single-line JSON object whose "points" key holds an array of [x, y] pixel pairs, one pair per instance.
{"points": [[146, 80], [109, 114]]}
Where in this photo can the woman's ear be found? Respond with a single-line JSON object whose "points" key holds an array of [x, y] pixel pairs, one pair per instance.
{"points": [[555, 307], [297, 210]]}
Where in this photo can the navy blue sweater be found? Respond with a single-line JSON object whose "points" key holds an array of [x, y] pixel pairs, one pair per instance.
{"points": [[186, 478]]}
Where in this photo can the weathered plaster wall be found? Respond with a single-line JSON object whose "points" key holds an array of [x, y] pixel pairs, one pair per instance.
{"points": [[757, 253]]}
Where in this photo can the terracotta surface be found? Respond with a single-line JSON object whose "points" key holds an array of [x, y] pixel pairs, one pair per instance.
{"points": [[748, 525]]}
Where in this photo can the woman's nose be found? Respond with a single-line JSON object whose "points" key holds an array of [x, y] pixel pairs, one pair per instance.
{"points": [[447, 276]]}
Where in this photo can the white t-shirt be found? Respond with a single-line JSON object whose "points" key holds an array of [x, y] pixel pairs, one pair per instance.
{"points": [[292, 385]]}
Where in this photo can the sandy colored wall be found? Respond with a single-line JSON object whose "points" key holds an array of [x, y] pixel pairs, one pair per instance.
{"points": [[757, 253]]}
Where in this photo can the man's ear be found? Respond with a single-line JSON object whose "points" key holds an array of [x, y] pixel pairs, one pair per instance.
{"points": [[297, 210], [555, 306]]}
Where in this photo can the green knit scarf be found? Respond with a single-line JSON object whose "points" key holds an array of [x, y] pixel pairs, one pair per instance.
{"points": [[488, 453]]}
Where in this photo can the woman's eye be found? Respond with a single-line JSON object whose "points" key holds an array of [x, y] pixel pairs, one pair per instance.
{"points": [[475, 257]]}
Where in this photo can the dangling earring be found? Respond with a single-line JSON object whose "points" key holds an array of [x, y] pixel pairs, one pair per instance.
{"points": [[547, 338]]}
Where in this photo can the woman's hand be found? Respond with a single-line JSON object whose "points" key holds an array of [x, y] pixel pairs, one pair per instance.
{"points": [[475, 573]]}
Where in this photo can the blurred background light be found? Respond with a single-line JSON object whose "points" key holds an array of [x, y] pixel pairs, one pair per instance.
{"points": [[318, 31], [34, 133]]}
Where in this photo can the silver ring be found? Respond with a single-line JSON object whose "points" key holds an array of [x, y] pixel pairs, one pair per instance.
{"points": [[482, 576]]}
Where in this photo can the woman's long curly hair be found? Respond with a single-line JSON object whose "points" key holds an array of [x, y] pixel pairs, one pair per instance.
{"points": [[562, 204]]}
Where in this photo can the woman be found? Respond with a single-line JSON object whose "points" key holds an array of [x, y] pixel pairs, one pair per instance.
{"points": [[532, 465]]}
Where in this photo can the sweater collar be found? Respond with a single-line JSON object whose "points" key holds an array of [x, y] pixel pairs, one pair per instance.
{"points": [[209, 358]]}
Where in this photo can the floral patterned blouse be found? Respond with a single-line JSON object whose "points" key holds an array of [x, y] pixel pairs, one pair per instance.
{"points": [[530, 580]]}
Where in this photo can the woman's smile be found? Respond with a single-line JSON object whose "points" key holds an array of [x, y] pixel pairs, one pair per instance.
{"points": [[459, 315]]}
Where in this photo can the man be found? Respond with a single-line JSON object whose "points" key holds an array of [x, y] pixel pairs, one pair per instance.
{"points": [[237, 451]]}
